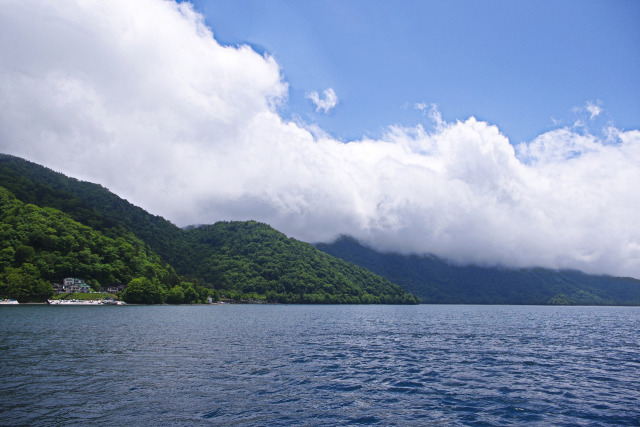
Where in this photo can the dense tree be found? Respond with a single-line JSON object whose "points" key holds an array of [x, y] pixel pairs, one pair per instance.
{"points": [[44, 245], [254, 258], [143, 290], [24, 284], [175, 295], [190, 295]]}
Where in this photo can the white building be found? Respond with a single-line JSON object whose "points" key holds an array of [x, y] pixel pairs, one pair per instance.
{"points": [[72, 284]]}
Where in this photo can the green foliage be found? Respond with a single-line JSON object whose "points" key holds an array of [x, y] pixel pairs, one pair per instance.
{"points": [[24, 284], [143, 290], [43, 245], [561, 299], [89, 204], [190, 296], [175, 295], [251, 257]]}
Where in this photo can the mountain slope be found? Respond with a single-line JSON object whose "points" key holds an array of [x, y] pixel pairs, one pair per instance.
{"points": [[88, 203], [43, 245], [253, 257], [244, 257], [435, 281]]}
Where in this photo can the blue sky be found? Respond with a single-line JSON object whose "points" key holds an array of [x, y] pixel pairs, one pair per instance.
{"points": [[316, 117], [524, 66]]}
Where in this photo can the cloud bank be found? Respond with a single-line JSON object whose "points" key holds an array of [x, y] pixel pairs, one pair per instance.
{"points": [[139, 97]]}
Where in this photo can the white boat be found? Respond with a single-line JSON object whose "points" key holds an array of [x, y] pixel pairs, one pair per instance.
{"points": [[8, 302], [113, 302]]}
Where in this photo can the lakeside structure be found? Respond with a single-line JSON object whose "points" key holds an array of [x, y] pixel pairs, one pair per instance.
{"points": [[72, 284]]}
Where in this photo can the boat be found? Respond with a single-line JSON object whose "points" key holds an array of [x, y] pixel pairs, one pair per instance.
{"points": [[113, 302], [8, 302]]}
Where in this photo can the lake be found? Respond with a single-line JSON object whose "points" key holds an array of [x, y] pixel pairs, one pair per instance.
{"points": [[319, 365]]}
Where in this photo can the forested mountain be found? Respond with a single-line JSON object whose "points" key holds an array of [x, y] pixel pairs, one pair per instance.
{"points": [[253, 257], [43, 210], [39, 246], [434, 280], [88, 203]]}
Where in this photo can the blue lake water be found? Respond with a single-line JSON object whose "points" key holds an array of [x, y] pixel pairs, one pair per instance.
{"points": [[319, 365]]}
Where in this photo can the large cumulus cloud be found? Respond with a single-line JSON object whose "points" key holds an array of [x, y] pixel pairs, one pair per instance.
{"points": [[140, 97]]}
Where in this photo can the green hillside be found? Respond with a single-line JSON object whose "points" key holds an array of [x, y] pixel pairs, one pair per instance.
{"points": [[239, 260], [88, 203], [436, 281], [253, 257], [43, 245]]}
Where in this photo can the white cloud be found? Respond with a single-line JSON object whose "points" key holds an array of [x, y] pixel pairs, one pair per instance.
{"points": [[326, 103], [588, 112], [140, 97], [594, 110], [421, 106], [432, 111]]}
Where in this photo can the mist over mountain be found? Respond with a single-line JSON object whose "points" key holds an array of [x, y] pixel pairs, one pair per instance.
{"points": [[435, 280], [250, 257]]}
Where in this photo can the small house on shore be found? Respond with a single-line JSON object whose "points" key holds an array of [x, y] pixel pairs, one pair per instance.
{"points": [[114, 288], [71, 284]]}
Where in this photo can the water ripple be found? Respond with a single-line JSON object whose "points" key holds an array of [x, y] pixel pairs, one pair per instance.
{"points": [[319, 365]]}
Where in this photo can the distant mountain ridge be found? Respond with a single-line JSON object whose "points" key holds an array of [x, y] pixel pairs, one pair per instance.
{"points": [[434, 280]]}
